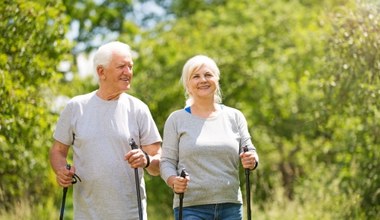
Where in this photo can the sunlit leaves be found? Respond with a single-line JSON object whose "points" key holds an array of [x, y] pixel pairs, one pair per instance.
{"points": [[32, 46], [295, 69]]}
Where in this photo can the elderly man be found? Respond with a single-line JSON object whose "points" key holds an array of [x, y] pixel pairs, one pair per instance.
{"points": [[99, 126]]}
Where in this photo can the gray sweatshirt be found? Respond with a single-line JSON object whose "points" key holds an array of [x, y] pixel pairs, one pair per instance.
{"points": [[209, 151]]}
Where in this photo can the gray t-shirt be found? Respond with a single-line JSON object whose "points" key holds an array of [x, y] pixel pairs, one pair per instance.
{"points": [[99, 132], [209, 151]]}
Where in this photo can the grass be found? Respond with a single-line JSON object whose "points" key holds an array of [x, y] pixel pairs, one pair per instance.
{"points": [[310, 207]]}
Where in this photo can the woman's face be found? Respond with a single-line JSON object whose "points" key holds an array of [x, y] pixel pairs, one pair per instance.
{"points": [[202, 83]]}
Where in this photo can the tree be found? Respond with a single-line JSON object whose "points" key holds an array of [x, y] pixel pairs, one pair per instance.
{"points": [[350, 116], [32, 45], [258, 77], [305, 74], [273, 62], [97, 22]]}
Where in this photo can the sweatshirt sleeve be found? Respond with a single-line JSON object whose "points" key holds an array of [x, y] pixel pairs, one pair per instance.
{"points": [[245, 137], [169, 156]]}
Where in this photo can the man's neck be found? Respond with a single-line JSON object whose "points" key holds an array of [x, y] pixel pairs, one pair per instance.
{"points": [[108, 95]]}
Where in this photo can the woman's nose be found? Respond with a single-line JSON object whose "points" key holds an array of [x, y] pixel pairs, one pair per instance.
{"points": [[202, 78]]}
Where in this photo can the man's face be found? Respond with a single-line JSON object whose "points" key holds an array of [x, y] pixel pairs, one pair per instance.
{"points": [[117, 76]]}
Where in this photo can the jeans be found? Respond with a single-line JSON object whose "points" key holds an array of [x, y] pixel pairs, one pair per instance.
{"points": [[222, 211]]}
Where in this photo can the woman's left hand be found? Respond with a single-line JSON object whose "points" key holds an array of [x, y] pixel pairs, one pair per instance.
{"points": [[248, 159]]}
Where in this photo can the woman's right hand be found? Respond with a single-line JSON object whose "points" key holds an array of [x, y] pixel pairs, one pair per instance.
{"points": [[178, 183]]}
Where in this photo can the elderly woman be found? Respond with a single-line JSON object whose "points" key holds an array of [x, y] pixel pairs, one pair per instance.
{"points": [[206, 139]]}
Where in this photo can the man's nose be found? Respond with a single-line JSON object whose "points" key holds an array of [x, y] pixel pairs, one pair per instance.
{"points": [[127, 69]]}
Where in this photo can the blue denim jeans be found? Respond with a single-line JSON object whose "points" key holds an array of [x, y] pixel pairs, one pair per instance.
{"points": [[222, 211]]}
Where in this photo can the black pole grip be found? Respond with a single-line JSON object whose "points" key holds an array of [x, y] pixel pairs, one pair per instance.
{"points": [[246, 170], [183, 174], [133, 144]]}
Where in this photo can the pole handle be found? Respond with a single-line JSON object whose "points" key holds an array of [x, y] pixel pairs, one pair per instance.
{"points": [[133, 144], [183, 174], [246, 170]]}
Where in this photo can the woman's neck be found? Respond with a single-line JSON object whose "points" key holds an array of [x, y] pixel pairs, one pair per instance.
{"points": [[204, 110]]}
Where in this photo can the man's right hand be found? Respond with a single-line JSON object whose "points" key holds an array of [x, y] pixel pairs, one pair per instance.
{"points": [[65, 176]]}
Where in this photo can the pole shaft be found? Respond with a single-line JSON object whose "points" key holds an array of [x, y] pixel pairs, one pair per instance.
{"points": [[248, 194], [138, 193], [63, 203], [248, 188], [180, 206]]}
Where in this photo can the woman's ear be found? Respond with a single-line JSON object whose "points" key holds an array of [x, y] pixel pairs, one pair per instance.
{"points": [[187, 90]]}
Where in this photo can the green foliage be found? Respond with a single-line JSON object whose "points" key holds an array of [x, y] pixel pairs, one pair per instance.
{"points": [[351, 108], [258, 51], [183, 8], [32, 44], [305, 73], [274, 62], [98, 21]]}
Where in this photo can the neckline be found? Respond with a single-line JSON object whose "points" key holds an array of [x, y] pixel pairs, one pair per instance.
{"points": [[107, 101], [215, 114]]}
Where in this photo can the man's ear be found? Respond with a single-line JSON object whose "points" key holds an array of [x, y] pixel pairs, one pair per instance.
{"points": [[100, 72]]}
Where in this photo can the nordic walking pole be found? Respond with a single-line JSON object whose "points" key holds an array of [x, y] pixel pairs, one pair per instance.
{"points": [[63, 203], [183, 174], [248, 188], [134, 146], [68, 166]]}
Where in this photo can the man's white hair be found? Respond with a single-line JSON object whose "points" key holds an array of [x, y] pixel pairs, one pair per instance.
{"points": [[104, 53]]}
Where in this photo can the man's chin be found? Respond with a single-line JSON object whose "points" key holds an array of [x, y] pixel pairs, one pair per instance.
{"points": [[126, 88]]}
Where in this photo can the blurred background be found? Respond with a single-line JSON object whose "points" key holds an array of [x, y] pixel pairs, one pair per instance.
{"points": [[306, 74]]}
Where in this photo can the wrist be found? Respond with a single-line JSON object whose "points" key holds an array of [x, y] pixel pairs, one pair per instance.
{"points": [[147, 159], [255, 166]]}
